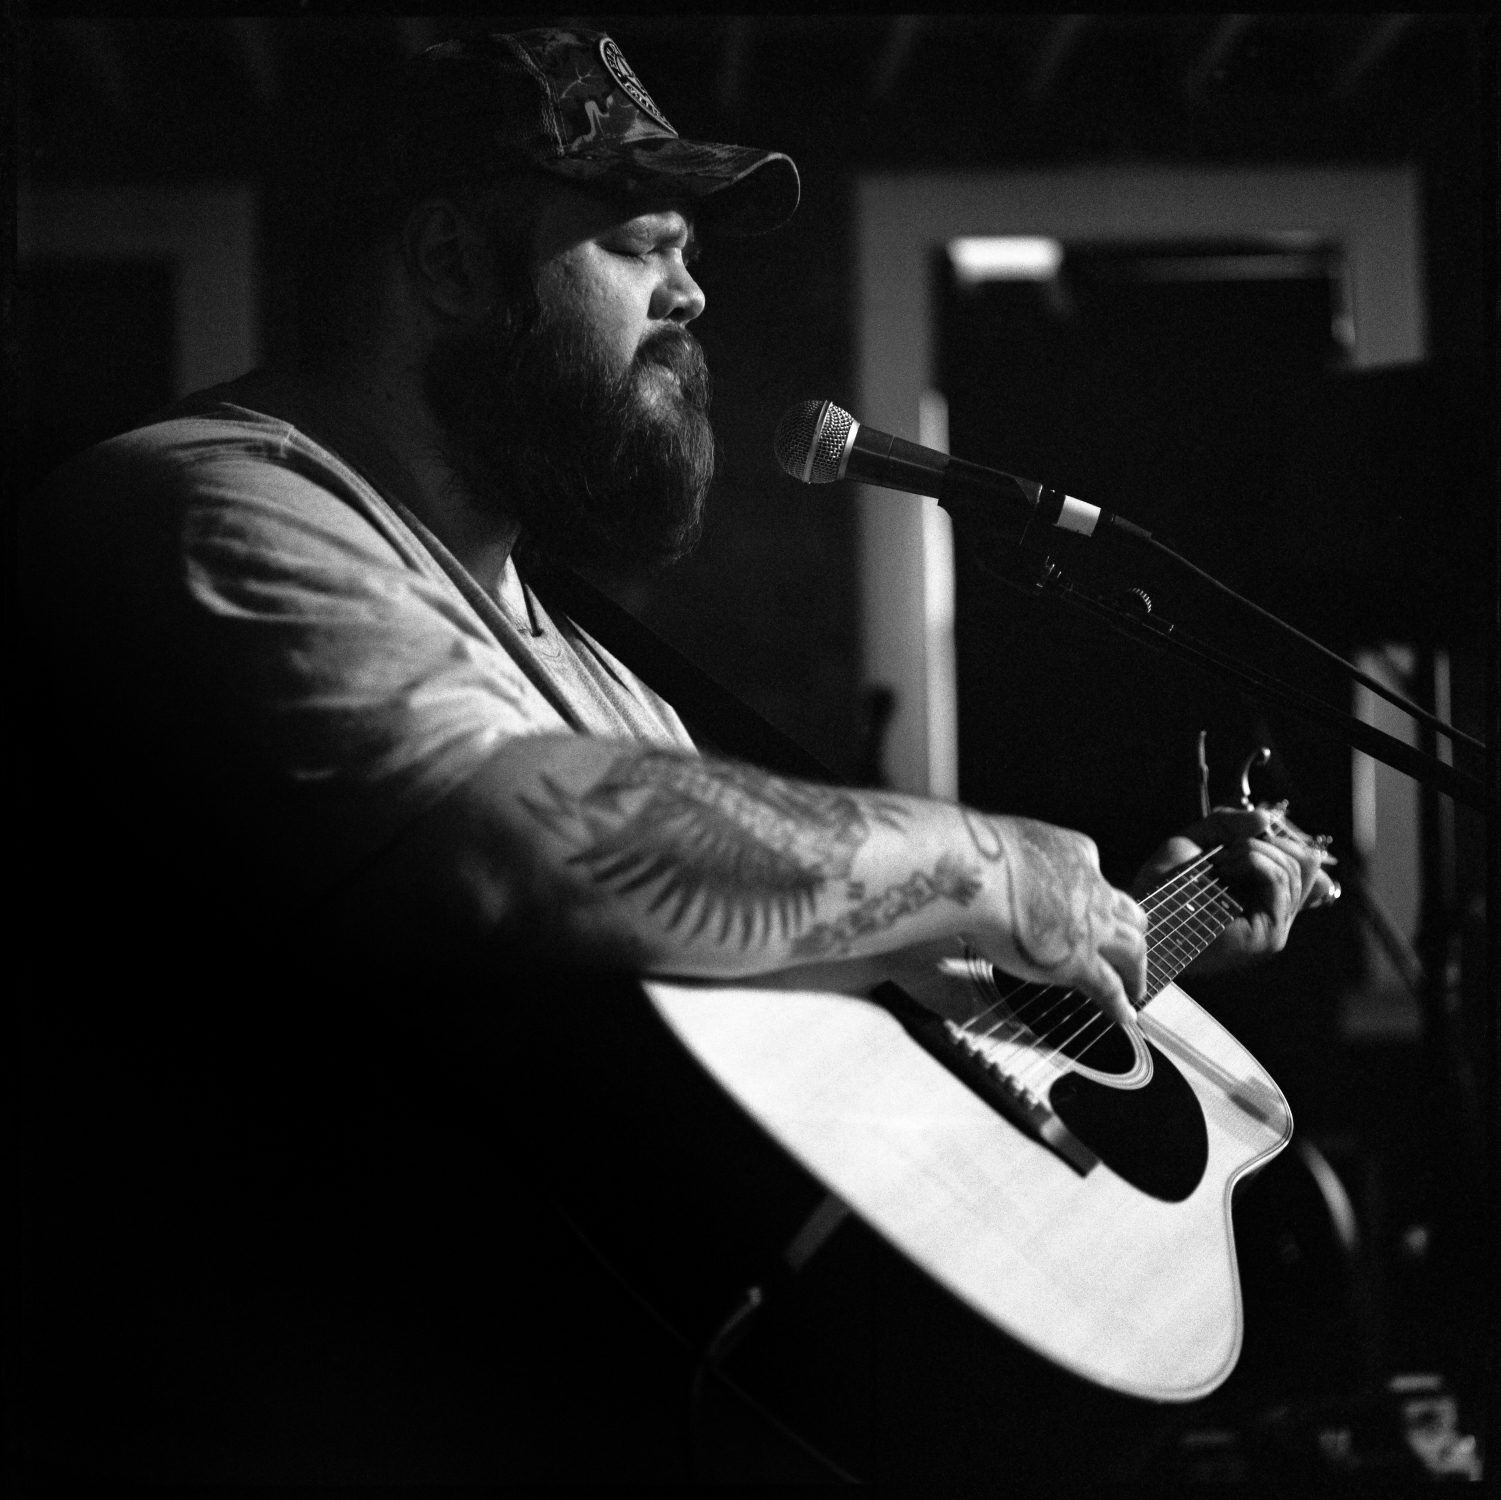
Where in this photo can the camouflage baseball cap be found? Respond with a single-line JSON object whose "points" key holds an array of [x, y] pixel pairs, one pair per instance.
{"points": [[566, 102]]}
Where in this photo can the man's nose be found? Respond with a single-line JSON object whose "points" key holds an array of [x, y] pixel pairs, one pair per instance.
{"points": [[678, 297]]}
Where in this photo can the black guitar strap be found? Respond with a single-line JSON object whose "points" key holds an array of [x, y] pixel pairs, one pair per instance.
{"points": [[718, 720], [715, 717]]}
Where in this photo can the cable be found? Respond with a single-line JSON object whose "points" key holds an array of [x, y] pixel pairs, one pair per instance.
{"points": [[708, 1362], [704, 1361], [1377, 687]]}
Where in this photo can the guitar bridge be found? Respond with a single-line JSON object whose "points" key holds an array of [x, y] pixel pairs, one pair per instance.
{"points": [[952, 1046]]}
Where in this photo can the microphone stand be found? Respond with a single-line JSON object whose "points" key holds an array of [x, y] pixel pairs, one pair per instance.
{"points": [[1130, 613]]}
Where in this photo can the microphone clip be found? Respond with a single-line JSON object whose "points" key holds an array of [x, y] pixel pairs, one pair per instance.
{"points": [[1039, 539]]}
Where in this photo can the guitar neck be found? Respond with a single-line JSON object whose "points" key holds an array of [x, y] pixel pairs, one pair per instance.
{"points": [[1185, 914]]}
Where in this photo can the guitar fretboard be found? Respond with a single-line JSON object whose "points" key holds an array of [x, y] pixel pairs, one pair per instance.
{"points": [[1185, 915]]}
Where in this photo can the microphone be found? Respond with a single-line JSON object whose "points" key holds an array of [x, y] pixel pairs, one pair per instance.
{"points": [[817, 442]]}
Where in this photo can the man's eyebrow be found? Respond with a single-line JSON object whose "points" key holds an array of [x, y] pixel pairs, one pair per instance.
{"points": [[660, 222], [653, 224], [692, 246]]}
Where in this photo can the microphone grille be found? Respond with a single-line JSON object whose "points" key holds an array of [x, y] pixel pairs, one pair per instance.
{"points": [[810, 440]]}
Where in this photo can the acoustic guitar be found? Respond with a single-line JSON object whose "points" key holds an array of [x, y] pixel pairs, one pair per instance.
{"points": [[1068, 1180]]}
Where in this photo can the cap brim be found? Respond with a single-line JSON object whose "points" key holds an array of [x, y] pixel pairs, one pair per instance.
{"points": [[744, 190]]}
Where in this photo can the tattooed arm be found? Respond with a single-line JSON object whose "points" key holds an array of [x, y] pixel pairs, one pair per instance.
{"points": [[677, 865]]}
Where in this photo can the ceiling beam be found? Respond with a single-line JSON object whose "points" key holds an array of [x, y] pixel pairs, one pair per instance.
{"points": [[1063, 36], [896, 50], [1222, 42], [1380, 37]]}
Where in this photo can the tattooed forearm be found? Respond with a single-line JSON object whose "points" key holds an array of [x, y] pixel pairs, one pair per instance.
{"points": [[984, 834], [1059, 903], [714, 842], [949, 881], [1057, 908]]}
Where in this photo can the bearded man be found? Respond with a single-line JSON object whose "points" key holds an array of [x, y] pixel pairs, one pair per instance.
{"points": [[327, 772]]}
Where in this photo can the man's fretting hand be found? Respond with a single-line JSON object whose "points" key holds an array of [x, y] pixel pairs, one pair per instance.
{"points": [[1271, 876], [1061, 922]]}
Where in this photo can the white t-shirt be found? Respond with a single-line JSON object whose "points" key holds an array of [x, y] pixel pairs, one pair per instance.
{"points": [[237, 603]]}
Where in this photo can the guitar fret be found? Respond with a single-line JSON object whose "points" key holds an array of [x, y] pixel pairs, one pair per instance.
{"points": [[1183, 923]]}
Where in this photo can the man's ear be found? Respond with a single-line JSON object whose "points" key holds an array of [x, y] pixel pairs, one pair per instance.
{"points": [[448, 258]]}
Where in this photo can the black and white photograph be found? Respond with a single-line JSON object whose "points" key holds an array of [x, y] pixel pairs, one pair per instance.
{"points": [[751, 749]]}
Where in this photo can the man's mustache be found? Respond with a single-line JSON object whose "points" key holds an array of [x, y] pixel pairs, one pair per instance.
{"points": [[676, 350]]}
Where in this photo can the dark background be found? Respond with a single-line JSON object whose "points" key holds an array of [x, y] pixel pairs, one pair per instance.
{"points": [[265, 99], [1360, 506]]}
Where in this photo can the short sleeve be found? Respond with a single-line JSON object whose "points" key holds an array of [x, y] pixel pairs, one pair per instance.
{"points": [[234, 621]]}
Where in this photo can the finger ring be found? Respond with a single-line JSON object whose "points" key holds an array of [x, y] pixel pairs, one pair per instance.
{"points": [[1333, 895]]}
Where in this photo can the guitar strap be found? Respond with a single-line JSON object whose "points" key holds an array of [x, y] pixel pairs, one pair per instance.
{"points": [[715, 717]]}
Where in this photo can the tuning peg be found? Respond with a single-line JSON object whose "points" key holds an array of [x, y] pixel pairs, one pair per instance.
{"points": [[1258, 757]]}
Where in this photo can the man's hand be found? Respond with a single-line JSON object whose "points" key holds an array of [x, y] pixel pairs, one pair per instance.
{"points": [[1272, 877], [1061, 921]]}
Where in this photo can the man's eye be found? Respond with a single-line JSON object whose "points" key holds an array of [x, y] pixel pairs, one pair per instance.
{"points": [[646, 253]]}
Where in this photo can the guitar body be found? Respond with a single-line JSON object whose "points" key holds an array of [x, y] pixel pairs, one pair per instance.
{"points": [[1106, 1246]]}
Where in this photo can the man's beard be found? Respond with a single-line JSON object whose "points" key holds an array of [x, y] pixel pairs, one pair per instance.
{"points": [[599, 467]]}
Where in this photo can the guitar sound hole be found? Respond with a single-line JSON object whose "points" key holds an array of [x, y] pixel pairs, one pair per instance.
{"points": [[1065, 1021], [1107, 1049], [1154, 1137]]}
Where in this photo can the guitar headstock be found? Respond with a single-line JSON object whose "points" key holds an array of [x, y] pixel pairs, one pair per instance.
{"points": [[1285, 828]]}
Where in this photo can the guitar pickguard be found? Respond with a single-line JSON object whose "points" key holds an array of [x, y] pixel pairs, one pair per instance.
{"points": [[1137, 1113], [1153, 1136]]}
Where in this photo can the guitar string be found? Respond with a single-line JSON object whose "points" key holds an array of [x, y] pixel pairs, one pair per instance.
{"points": [[1152, 902], [1028, 1017], [1208, 934], [1203, 921], [1193, 883], [1091, 1018]]}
